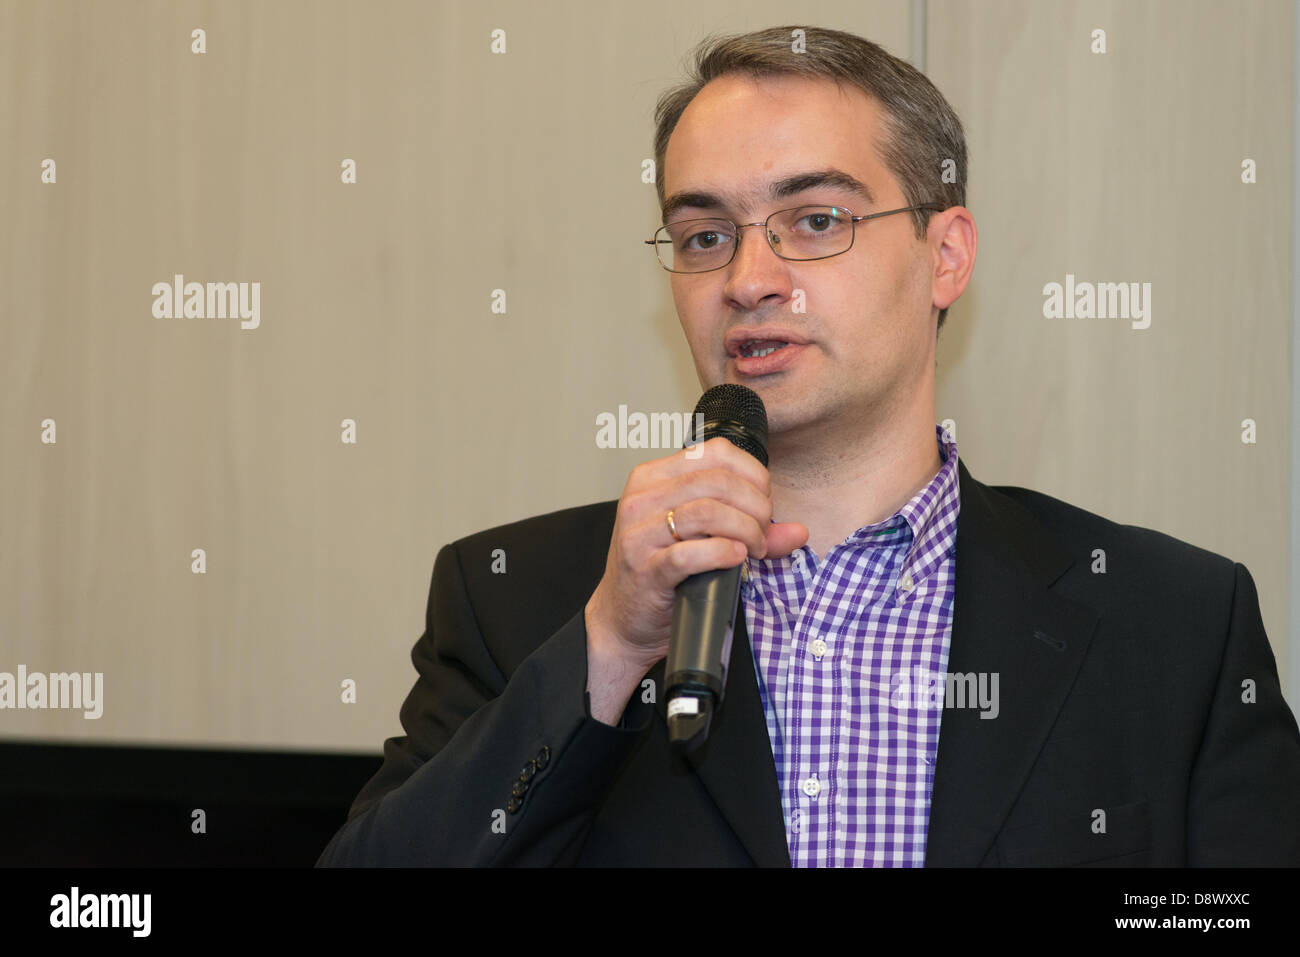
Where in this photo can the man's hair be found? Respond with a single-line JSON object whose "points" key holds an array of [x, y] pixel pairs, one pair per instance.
{"points": [[921, 130]]}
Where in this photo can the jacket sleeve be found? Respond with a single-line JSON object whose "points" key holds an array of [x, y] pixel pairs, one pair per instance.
{"points": [[492, 770], [1244, 798]]}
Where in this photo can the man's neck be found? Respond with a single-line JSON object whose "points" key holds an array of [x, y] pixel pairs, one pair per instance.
{"points": [[836, 486]]}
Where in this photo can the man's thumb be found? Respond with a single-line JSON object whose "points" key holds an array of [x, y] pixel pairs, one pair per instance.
{"points": [[785, 537]]}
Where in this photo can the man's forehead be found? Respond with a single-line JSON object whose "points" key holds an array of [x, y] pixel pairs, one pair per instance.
{"points": [[708, 176]]}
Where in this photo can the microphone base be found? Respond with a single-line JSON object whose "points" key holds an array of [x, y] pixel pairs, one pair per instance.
{"points": [[689, 716]]}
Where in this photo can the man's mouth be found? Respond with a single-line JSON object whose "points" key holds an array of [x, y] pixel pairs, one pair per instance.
{"points": [[756, 348], [759, 341]]}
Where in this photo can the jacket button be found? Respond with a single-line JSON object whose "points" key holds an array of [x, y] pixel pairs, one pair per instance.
{"points": [[519, 790], [543, 756], [514, 805], [527, 773]]}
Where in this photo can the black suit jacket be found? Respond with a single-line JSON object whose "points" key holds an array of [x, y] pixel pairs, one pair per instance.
{"points": [[1127, 692]]}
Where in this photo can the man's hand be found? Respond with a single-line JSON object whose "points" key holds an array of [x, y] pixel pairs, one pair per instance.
{"points": [[722, 508]]}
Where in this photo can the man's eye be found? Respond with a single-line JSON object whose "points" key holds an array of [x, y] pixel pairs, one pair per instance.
{"points": [[820, 226], [705, 239]]}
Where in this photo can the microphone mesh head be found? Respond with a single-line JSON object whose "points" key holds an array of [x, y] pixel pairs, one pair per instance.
{"points": [[737, 414]]}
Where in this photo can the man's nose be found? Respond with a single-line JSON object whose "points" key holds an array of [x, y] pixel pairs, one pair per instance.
{"points": [[756, 271]]}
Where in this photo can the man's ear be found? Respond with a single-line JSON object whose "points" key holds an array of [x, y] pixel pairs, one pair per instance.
{"points": [[953, 240]]}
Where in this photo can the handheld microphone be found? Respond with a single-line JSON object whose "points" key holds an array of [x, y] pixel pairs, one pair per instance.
{"points": [[704, 614]]}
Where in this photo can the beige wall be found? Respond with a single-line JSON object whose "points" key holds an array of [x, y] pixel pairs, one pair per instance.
{"points": [[1127, 167], [478, 172]]}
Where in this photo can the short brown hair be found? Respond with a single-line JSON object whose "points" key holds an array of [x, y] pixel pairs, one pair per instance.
{"points": [[922, 130]]}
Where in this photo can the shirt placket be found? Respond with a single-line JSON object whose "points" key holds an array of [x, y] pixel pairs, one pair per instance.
{"points": [[810, 770]]}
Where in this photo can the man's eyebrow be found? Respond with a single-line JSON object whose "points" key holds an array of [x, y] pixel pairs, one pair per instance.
{"points": [[824, 179], [781, 189]]}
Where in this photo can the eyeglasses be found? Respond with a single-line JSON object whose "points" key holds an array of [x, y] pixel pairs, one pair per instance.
{"points": [[801, 234]]}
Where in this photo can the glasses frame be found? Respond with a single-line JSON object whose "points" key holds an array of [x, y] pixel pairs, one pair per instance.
{"points": [[655, 241]]}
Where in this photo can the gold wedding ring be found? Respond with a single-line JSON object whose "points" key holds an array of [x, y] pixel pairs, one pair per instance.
{"points": [[672, 527]]}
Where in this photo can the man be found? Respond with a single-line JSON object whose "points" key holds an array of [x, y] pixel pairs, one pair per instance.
{"points": [[928, 671]]}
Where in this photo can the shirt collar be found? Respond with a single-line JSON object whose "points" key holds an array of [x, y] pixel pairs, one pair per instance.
{"points": [[925, 519]]}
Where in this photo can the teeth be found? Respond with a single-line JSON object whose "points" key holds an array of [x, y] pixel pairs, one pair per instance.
{"points": [[750, 354]]}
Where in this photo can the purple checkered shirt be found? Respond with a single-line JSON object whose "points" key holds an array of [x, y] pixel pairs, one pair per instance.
{"points": [[837, 646]]}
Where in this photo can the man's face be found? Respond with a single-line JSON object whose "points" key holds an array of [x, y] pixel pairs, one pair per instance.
{"points": [[866, 338]]}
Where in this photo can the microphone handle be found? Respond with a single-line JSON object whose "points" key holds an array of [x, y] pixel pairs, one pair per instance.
{"points": [[699, 652]]}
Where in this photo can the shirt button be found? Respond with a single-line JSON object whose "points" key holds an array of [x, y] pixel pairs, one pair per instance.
{"points": [[818, 649], [906, 583], [812, 787]]}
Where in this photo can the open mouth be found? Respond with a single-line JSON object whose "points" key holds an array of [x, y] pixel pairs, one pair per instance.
{"points": [[757, 348]]}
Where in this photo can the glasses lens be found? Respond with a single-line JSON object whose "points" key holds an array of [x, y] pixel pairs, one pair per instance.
{"points": [[695, 245], [811, 232]]}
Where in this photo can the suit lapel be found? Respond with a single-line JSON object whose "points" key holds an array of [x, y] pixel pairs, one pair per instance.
{"points": [[735, 763], [1005, 622]]}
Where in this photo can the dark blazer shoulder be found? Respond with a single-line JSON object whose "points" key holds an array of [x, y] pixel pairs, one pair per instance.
{"points": [[525, 579], [538, 528], [1152, 580], [1077, 527]]}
